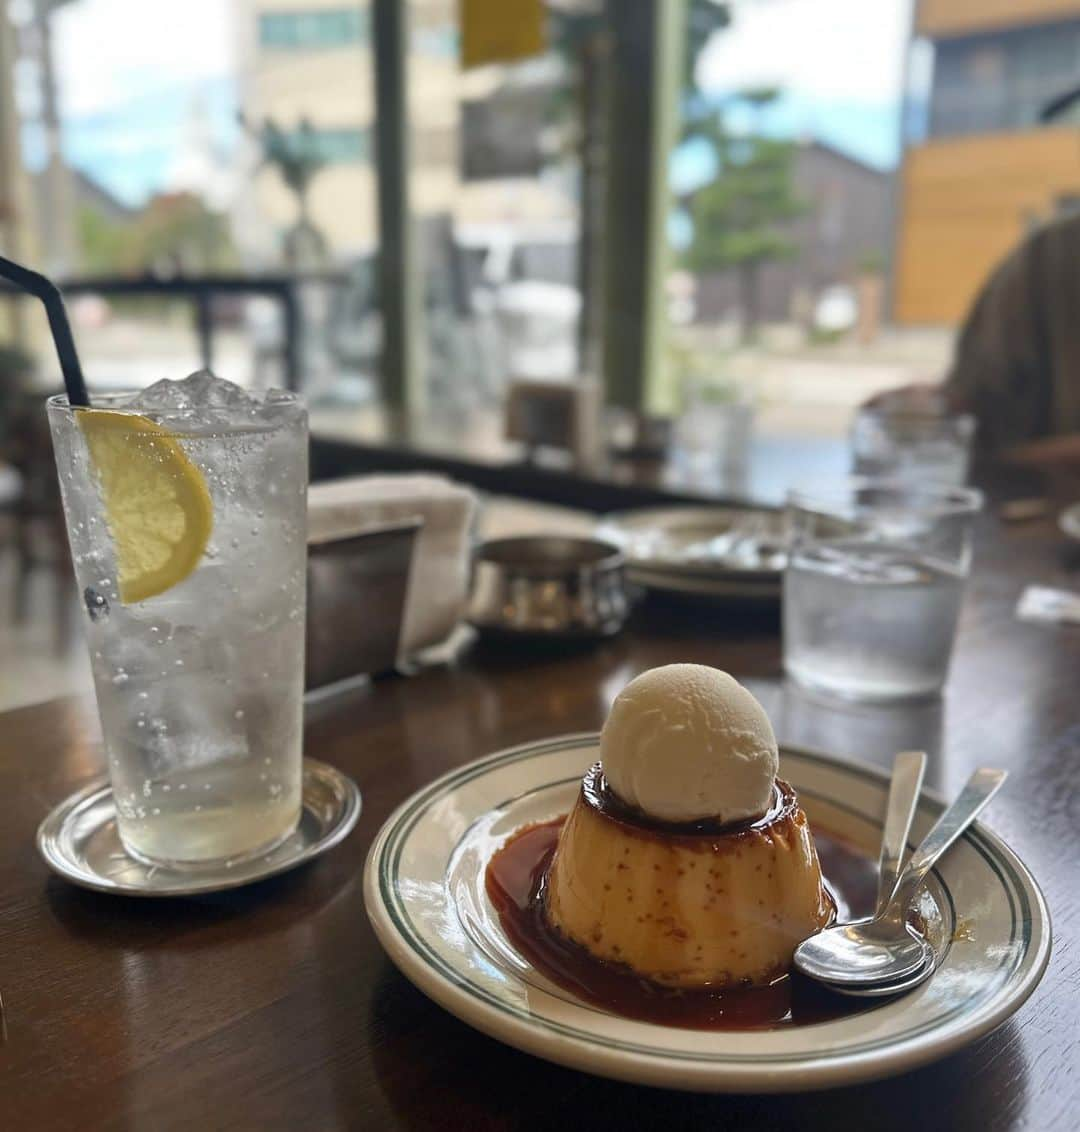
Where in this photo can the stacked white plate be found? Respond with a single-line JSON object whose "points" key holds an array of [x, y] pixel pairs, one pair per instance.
{"points": [[708, 552]]}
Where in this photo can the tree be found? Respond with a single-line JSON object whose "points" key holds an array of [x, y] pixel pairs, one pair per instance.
{"points": [[101, 241], [179, 231], [174, 231], [739, 218]]}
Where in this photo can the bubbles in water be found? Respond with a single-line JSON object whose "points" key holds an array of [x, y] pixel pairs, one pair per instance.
{"points": [[96, 604], [238, 714]]}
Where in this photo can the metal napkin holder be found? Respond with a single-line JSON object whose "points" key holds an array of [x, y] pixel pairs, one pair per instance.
{"points": [[357, 586]]}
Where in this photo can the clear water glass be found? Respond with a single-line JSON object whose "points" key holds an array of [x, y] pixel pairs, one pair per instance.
{"points": [[713, 433], [923, 448], [873, 587], [200, 688]]}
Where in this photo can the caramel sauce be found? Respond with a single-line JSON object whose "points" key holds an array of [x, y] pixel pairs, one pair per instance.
{"points": [[724, 835], [515, 881]]}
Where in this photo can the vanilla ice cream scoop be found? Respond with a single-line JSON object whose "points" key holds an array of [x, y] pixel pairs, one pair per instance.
{"points": [[687, 742]]}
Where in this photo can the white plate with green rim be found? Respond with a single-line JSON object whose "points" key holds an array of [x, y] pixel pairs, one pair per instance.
{"points": [[424, 891]]}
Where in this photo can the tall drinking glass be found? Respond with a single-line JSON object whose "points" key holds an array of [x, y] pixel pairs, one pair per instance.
{"points": [[873, 586], [713, 433], [922, 447], [186, 515]]}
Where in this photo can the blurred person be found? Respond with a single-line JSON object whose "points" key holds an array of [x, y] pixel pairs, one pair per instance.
{"points": [[1017, 361], [1016, 366]]}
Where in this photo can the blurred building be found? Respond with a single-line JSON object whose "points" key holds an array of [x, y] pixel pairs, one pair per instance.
{"points": [[88, 193], [984, 170], [474, 136], [312, 59], [843, 232]]}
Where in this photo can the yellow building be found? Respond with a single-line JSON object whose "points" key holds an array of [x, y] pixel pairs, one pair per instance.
{"points": [[312, 59], [986, 171]]}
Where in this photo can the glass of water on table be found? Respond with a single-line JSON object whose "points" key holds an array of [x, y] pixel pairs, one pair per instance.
{"points": [[922, 447], [186, 514], [873, 587]]}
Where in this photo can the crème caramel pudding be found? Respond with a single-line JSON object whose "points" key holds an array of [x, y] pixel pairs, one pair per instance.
{"points": [[684, 858]]}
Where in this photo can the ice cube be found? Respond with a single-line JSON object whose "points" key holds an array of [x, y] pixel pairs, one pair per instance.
{"points": [[192, 727], [200, 390]]}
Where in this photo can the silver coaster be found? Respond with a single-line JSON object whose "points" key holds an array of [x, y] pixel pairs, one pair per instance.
{"points": [[79, 841]]}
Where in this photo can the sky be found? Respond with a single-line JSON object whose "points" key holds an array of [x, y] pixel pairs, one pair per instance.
{"points": [[131, 74], [837, 63], [132, 70]]}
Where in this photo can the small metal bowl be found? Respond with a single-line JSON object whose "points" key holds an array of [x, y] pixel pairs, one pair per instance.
{"points": [[549, 587]]}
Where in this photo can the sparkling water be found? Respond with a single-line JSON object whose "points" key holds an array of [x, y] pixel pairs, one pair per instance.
{"points": [[869, 621], [200, 687]]}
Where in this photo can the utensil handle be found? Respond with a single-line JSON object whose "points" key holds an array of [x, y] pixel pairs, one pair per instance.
{"points": [[980, 788], [907, 777]]}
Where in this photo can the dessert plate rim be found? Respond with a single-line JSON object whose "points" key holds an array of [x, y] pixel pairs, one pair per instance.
{"points": [[459, 976]]}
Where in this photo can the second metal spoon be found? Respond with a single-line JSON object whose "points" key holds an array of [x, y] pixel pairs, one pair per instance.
{"points": [[883, 950]]}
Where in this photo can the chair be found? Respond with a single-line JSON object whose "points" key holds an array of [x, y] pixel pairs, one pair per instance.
{"points": [[39, 534]]}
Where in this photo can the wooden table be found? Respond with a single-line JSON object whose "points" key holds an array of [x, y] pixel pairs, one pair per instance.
{"points": [[275, 1007]]}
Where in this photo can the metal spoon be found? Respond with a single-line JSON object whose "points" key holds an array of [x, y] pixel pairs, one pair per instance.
{"points": [[884, 990], [907, 777], [884, 950], [900, 806]]}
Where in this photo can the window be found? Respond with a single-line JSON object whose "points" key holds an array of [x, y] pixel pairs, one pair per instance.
{"points": [[330, 27], [1001, 81], [546, 263], [441, 42]]}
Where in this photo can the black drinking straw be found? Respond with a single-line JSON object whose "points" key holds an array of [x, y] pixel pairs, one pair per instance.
{"points": [[48, 292]]}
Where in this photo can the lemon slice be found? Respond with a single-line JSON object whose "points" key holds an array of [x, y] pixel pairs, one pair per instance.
{"points": [[156, 501]]}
